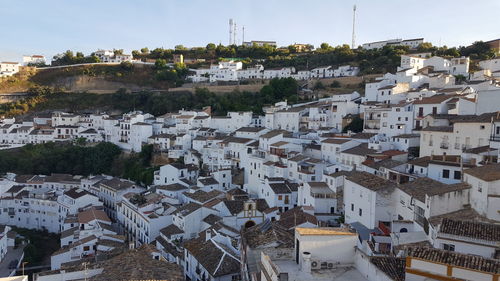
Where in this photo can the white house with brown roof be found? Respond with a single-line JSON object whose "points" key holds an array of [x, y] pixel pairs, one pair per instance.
{"points": [[468, 237], [468, 131], [143, 215], [367, 199], [111, 192], [320, 197], [485, 190], [212, 258], [332, 147], [435, 264], [279, 193]]}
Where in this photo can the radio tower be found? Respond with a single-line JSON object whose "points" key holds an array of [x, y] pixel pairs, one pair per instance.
{"points": [[353, 43], [230, 31], [243, 37], [235, 37]]}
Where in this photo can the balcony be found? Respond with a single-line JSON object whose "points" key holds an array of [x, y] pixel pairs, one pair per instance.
{"points": [[443, 145], [495, 138]]}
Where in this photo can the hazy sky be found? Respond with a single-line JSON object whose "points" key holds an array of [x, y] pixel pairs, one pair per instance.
{"points": [[52, 26]]}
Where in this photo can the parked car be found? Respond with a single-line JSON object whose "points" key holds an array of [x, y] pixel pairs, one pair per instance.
{"points": [[13, 264]]}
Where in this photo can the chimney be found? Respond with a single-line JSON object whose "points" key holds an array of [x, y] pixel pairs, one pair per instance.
{"points": [[208, 235], [131, 245], [306, 262]]}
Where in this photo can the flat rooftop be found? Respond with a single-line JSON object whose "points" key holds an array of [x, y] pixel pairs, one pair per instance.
{"points": [[347, 273]]}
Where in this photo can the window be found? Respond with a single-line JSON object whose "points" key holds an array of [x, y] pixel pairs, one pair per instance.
{"points": [[481, 127], [360, 212], [457, 175], [86, 248], [448, 247], [352, 207], [479, 187], [446, 173]]}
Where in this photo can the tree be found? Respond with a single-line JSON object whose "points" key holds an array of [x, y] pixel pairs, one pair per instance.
{"points": [[210, 46], [145, 50], [318, 86], [355, 126], [325, 46], [160, 64], [335, 84]]}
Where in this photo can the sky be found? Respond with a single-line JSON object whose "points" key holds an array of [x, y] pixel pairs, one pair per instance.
{"points": [[50, 27]]}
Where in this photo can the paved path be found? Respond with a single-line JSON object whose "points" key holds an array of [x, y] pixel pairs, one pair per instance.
{"points": [[12, 254]]}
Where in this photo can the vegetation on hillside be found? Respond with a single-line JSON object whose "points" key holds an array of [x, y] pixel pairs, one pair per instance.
{"points": [[76, 159], [59, 158], [46, 98], [40, 247]]}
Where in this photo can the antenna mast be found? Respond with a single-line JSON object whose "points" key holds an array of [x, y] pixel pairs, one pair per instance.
{"points": [[230, 31], [243, 37], [235, 38], [353, 27]]}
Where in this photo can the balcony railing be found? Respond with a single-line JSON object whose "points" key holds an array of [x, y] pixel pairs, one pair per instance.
{"points": [[443, 146], [495, 138]]}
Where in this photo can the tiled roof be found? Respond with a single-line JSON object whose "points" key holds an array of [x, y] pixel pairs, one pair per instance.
{"points": [[473, 262], [92, 214], [422, 161], [486, 173], [268, 234], [272, 133], [172, 187], [250, 129], [217, 259], [369, 181], [434, 99], [138, 264], [335, 141], [361, 150], [421, 187], [171, 230], [392, 266], [471, 229], [208, 181], [296, 216], [76, 193], [237, 206], [212, 219], [188, 209], [203, 196], [117, 184]]}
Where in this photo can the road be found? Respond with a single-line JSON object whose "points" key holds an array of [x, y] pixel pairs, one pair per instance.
{"points": [[12, 254]]}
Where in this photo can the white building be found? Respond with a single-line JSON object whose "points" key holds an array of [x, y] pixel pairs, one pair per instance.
{"points": [[8, 68]]}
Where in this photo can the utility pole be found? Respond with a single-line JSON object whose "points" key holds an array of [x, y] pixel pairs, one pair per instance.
{"points": [[353, 43]]}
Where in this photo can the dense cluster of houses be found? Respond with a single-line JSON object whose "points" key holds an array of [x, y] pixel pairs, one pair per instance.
{"points": [[234, 71], [286, 195]]}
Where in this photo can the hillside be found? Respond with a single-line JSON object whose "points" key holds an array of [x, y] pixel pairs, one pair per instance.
{"points": [[100, 79]]}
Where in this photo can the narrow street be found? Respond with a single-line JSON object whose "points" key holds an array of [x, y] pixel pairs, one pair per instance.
{"points": [[12, 254]]}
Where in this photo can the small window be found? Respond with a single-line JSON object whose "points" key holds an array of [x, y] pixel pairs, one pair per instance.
{"points": [[457, 175], [446, 174], [360, 212], [352, 207], [481, 127], [448, 247], [86, 248]]}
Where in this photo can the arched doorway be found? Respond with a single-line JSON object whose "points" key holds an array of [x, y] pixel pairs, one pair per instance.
{"points": [[249, 223], [403, 230]]}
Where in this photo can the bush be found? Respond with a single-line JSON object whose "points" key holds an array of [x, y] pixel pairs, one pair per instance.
{"points": [[335, 84]]}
